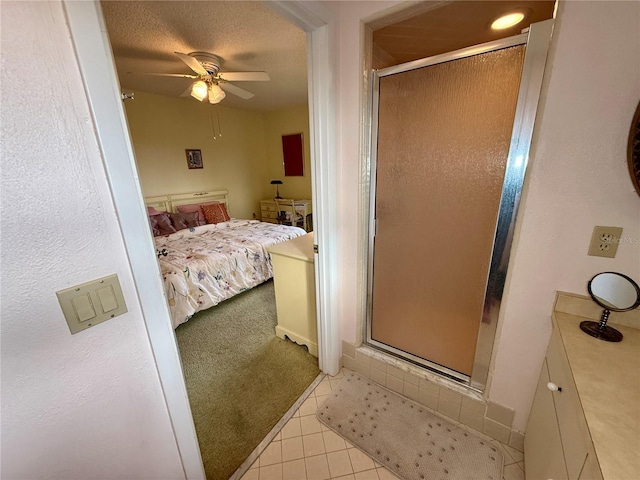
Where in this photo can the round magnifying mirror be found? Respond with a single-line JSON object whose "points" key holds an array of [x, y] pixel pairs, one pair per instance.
{"points": [[614, 292]]}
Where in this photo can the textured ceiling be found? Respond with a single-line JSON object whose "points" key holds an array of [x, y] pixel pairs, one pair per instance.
{"points": [[247, 35]]}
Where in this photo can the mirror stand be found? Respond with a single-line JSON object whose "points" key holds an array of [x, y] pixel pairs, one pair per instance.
{"points": [[613, 291], [600, 329]]}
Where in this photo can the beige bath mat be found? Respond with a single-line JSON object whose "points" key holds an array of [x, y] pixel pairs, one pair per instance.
{"points": [[404, 436]]}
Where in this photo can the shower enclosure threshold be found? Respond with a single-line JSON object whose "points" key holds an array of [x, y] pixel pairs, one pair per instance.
{"points": [[458, 384]]}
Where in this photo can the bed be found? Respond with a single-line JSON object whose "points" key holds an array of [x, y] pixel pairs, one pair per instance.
{"points": [[204, 264]]}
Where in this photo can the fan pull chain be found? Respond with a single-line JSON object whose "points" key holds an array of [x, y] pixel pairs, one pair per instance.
{"points": [[213, 127]]}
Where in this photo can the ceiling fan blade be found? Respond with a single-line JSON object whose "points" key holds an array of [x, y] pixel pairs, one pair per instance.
{"points": [[192, 63], [187, 92], [228, 87], [245, 76], [182, 75]]}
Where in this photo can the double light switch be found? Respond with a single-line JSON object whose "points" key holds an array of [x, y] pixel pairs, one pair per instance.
{"points": [[91, 303]]}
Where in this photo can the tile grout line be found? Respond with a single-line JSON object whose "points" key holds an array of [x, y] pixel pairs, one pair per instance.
{"points": [[325, 445]]}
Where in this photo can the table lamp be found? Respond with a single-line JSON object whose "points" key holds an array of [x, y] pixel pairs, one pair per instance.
{"points": [[276, 183]]}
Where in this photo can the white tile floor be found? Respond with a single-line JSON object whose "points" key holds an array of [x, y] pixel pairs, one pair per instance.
{"points": [[305, 449]]}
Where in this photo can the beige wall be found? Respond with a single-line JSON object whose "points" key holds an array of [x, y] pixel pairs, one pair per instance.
{"points": [[243, 160], [285, 122]]}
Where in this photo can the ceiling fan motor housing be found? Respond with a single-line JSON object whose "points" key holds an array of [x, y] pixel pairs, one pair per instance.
{"points": [[210, 62]]}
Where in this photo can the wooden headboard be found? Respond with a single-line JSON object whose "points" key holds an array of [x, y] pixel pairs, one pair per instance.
{"points": [[169, 203], [161, 203]]}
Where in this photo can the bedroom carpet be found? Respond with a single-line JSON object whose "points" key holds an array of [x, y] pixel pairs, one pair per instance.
{"points": [[406, 437], [240, 377]]}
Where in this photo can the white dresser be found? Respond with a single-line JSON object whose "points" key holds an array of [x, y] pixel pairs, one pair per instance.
{"points": [[294, 282]]}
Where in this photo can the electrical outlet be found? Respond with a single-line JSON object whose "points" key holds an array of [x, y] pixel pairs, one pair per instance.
{"points": [[604, 241]]}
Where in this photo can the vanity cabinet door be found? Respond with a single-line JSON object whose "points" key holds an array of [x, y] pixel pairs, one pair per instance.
{"points": [[542, 445], [574, 432]]}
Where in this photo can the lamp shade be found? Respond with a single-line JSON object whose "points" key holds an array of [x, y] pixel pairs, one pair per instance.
{"points": [[199, 90], [216, 94], [277, 183]]}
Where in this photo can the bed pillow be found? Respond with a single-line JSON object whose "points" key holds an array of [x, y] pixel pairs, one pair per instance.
{"points": [[153, 220], [194, 207], [163, 223], [187, 220], [151, 211], [178, 221], [216, 213], [194, 219]]}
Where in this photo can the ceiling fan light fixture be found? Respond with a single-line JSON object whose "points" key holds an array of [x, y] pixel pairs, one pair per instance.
{"points": [[508, 20], [216, 94], [199, 90]]}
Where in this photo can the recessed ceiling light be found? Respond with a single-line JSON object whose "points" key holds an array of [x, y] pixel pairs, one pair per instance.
{"points": [[506, 21]]}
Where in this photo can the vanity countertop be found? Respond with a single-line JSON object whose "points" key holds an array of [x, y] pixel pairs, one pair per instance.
{"points": [[607, 376]]}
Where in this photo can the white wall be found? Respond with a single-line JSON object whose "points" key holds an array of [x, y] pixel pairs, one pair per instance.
{"points": [[88, 405], [351, 16], [578, 178]]}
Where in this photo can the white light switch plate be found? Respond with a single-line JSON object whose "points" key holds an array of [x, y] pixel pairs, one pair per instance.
{"points": [[91, 303]]}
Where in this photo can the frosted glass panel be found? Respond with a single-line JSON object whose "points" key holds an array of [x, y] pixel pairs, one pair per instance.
{"points": [[443, 141]]}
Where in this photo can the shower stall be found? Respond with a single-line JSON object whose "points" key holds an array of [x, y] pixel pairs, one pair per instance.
{"points": [[450, 138]]}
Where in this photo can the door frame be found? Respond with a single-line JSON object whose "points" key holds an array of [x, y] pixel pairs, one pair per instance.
{"points": [[537, 42], [97, 68]]}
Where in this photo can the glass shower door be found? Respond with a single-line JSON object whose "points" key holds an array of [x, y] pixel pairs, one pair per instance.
{"points": [[443, 139]]}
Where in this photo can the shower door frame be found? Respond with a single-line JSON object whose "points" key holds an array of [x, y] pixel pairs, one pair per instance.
{"points": [[537, 42]]}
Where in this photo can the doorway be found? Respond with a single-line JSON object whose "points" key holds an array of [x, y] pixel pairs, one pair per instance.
{"points": [[448, 157], [238, 140], [96, 63]]}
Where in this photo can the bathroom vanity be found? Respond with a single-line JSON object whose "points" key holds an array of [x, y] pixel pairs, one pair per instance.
{"points": [[585, 420]]}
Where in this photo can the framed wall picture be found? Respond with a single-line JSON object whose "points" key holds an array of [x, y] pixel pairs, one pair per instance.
{"points": [[292, 151], [194, 158]]}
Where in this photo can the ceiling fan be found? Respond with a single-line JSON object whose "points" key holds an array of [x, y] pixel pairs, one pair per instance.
{"points": [[209, 81]]}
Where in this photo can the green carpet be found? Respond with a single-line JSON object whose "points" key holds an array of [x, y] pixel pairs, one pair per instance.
{"points": [[240, 377]]}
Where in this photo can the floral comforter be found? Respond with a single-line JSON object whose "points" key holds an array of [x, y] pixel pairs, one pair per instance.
{"points": [[208, 264]]}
